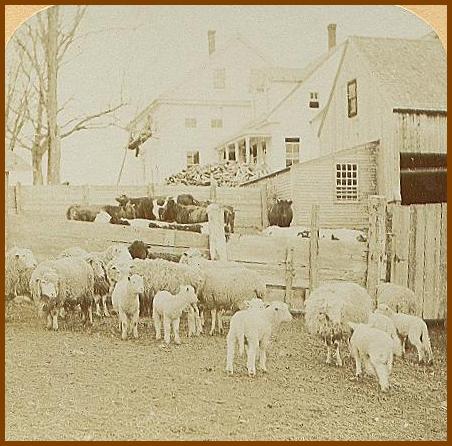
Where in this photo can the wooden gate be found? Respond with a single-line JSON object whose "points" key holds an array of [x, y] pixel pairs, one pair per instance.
{"points": [[417, 254]]}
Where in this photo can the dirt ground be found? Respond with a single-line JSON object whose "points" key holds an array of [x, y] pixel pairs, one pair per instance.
{"points": [[80, 384]]}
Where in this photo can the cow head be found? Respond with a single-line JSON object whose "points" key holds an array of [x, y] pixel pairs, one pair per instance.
{"points": [[122, 199]]}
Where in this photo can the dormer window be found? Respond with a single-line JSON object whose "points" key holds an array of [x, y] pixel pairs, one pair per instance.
{"points": [[314, 99], [219, 78]]}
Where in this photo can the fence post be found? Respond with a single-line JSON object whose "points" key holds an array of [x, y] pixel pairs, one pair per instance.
{"points": [[290, 274], [264, 195], [213, 191], [85, 194], [314, 249], [18, 197], [376, 243], [217, 239]]}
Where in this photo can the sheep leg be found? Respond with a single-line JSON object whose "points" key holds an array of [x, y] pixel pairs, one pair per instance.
{"points": [[220, 321], [124, 325], [166, 329], [403, 346], [213, 314], [338, 355], [157, 325], [251, 363], [90, 313], [55, 318], [230, 354], [104, 305], [135, 324], [175, 324], [263, 354], [328, 353], [358, 368], [49, 321], [97, 302], [191, 319], [415, 340]]}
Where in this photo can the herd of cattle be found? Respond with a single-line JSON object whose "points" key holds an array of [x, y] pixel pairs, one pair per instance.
{"points": [[182, 210], [133, 282]]}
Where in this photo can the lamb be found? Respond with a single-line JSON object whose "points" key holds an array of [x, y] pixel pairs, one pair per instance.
{"points": [[125, 299], [169, 307], [255, 325], [330, 307], [227, 286], [384, 323], [412, 327], [63, 283], [19, 266], [160, 275], [374, 347], [399, 298]]}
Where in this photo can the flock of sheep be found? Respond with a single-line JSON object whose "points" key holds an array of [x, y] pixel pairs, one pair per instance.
{"points": [[338, 313]]}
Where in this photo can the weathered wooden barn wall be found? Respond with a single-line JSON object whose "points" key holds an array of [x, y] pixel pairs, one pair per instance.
{"points": [[417, 255], [54, 200], [314, 182], [421, 131]]}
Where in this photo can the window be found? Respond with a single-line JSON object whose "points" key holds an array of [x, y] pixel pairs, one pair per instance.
{"points": [[192, 158], [190, 123], [352, 99], [219, 78], [216, 123], [314, 99], [346, 182], [292, 151]]}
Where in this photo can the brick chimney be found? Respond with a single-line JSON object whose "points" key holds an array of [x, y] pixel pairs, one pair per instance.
{"points": [[211, 41], [331, 35]]}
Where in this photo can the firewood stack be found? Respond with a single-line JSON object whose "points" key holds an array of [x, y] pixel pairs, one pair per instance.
{"points": [[229, 173]]}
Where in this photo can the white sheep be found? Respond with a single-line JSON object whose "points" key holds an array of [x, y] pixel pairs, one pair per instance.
{"points": [[227, 286], [169, 307], [386, 324], [412, 327], [125, 298], [330, 307], [101, 283], [19, 265], [399, 298], [255, 326], [374, 348], [63, 283]]}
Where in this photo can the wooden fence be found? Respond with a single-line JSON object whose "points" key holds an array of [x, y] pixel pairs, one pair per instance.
{"points": [[417, 254], [53, 201]]}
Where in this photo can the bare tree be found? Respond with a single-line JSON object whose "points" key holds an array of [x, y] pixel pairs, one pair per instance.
{"points": [[32, 107]]}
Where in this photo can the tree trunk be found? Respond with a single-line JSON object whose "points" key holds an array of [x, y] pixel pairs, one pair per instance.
{"points": [[54, 155], [38, 178]]}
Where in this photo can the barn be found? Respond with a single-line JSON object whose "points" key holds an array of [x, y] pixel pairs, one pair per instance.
{"points": [[382, 131]]}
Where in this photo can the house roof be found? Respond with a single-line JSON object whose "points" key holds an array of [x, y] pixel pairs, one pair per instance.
{"points": [[14, 162], [412, 73]]}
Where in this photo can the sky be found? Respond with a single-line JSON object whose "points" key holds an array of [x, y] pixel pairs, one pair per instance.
{"points": [[144, 50]]}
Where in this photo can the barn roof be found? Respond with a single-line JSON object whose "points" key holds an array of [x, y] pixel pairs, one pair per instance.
{"points": [[412, 73]]}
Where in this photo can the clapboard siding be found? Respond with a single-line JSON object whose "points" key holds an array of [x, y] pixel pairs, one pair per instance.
{"points": [[54, 200], [421, 132]]}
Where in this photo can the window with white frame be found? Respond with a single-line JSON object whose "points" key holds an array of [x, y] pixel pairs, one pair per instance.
{"points": [[216, 123], [190, 123], [346, 182], [314, 99], [219, 78], [192, 158], [292, 151]]}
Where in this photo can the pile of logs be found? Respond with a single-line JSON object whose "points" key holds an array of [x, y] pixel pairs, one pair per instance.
{"points": [[229, 173]]}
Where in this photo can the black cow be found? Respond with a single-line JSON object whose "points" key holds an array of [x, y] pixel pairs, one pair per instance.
{"points": [[174, 212], [143, 206], [280, 213]]}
